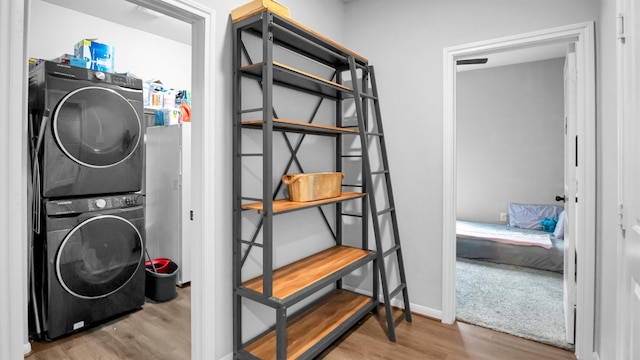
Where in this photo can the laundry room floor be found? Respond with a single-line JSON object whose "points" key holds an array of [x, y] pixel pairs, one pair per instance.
{"points": [[158, 331]]}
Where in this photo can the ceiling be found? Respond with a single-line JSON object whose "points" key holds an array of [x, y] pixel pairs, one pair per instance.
{"points": [[131, 15]]}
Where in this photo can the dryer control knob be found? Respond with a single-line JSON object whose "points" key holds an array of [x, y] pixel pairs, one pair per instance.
{"points": [[100, 75], [100, 203]]}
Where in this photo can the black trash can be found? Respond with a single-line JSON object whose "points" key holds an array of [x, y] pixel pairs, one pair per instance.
{"points": [[160, 285]]}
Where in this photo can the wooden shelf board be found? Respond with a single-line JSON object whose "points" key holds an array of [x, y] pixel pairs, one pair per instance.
{"points": [[303, 273], [324, 39], [290, 125], [297, 28], [312, 326], [288, 75], [256, 7], [284, 205]]}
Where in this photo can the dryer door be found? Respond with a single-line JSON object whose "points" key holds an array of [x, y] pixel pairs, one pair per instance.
{"points": [[99, 256], [96, 127]]}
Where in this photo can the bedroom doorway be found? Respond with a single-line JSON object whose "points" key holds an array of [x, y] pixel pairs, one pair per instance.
{"points": [[582, 35], [510, 150]]}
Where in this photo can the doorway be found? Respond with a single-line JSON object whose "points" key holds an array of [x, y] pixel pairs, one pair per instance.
{"points": [[203, 63], [583, 37], [510, 150]]}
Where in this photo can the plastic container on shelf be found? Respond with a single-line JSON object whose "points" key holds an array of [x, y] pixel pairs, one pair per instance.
{"points": [[169, 99], [185, 111], [159, 117], [155, 95]]}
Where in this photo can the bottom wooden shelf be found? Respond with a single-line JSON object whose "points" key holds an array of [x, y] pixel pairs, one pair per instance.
{"points": [[313, 325]]}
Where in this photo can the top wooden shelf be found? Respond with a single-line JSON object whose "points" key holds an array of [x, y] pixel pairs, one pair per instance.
{"points": [[301, 127], [284, 205], [303, 40], [257, 6]]}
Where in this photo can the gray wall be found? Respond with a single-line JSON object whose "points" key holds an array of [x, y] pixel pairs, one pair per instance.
{"points": [[406, 45], [510, 145]]}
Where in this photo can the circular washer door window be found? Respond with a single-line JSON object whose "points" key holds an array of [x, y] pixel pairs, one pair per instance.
{"points": [[96, 127], [99, 256]]}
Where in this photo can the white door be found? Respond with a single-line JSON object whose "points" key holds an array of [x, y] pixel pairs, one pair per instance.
{"points": [[570, 192], [629, 247]]}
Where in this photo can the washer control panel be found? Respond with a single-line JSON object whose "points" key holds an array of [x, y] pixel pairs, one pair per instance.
{"points": [[101, 203], [73, 206], [113, 202], [76, 73]]}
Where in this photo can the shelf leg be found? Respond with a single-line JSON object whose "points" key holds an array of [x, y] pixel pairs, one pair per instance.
{"points": [[281, 333]]}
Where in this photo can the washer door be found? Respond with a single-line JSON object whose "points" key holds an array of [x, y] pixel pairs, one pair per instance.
{"points": [[99, 256], [96, 127]]}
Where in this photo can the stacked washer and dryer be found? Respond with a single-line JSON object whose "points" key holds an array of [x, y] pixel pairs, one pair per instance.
{"points": [[87, 248]]}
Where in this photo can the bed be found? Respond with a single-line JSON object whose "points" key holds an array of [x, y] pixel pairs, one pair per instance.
{"points": [[518, 243]]}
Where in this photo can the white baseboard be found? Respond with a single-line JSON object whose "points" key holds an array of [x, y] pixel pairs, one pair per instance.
{"points": [[229, 356], [426, 311], [418, 309], [27, 348]]}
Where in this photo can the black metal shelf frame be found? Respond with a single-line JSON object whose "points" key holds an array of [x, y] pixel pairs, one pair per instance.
{"points": [[293, 36], [275, 31]]}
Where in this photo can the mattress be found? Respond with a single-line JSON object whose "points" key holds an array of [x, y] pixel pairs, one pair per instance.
{"points": [[504, 252]]}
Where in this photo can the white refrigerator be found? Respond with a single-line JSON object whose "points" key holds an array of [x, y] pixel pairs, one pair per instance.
{"points": [[168, 195]]}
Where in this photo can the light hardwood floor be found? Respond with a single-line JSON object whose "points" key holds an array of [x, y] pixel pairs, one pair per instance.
{"points": [[426, 338], [158, 331], [162, 331]]}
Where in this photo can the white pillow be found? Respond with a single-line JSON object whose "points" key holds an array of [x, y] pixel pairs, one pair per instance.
{"points": [[559, 231], [529, 216]]}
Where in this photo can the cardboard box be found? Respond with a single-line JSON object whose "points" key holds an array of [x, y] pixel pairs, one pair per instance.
{"points": [[70, 60], [98, 56], [313, 186], [78, 62]]}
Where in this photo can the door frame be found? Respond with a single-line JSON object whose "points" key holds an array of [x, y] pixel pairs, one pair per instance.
{"points": [[627, 113], [14, 26], [13, 211], [569, 188], [583, 35], [203, 63]]}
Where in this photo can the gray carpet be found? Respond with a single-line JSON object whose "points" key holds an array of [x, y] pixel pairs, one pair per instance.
{"points": [[516, 300]]}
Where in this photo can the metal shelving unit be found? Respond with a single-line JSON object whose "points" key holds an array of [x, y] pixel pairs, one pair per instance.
{"points": [[311, 329]]}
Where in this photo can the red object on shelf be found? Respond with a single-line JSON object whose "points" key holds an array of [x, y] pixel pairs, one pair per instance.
{"points": [[185, 110]]}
